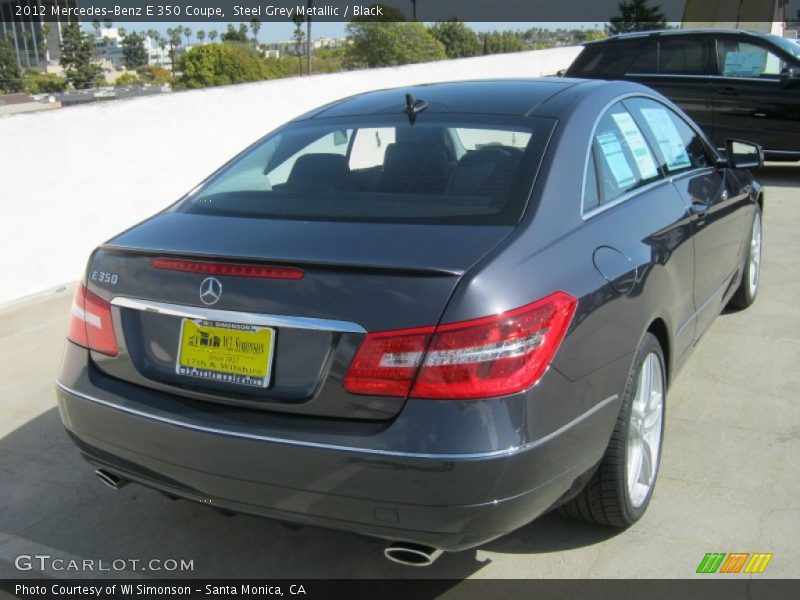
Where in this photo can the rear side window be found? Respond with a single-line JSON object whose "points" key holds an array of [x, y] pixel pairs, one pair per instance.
{"points": [[447, 169], [678, 146], [605, 60], [620, 160], [676, 56]]}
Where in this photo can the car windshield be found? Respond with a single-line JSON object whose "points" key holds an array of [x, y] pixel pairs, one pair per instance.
{"points": [[786, 45], [443, 169]]}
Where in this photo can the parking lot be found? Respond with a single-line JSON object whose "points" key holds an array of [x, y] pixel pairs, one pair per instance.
{"points": [[728, 481]]}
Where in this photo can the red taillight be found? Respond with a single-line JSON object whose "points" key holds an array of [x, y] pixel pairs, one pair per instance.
{"points": [[386, 362], [229, 269], [90, 322], [492, 356]]}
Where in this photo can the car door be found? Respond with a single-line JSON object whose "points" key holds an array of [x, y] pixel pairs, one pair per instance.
{"points": [[650, 232], [680, 67], [712, 198], [749, 100]]}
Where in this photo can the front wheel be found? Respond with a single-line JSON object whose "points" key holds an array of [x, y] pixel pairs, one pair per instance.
{"points": [[746, 292], [620, 489]]}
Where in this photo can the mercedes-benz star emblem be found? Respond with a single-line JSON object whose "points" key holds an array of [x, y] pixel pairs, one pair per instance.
{"points": [[210, 290]]}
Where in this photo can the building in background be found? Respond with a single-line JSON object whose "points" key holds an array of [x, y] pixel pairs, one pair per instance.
{"points": [[108, 48], [766, 16], [37, 42], [294, 48]]}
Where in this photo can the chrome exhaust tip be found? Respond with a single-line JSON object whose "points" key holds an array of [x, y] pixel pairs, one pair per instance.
{"points": [[107, 478], [412, 555]]}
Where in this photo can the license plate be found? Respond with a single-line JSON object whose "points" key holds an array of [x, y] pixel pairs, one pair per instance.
{"points": [[226, 352]]}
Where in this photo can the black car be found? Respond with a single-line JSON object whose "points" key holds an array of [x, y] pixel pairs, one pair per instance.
{"points": [[733, 83], [427, 315]]}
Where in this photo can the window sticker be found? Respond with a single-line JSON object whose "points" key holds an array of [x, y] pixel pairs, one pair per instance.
{"points": [[641, 153], [615, 157], [743, 64], [667, 137]]}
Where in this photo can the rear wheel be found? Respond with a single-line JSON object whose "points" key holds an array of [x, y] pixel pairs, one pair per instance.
{"points": [[746, 292], [620, 490]]}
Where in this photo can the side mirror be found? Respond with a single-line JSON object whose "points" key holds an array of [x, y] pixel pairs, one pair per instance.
{"points": [[744, 155], [790, 76]]}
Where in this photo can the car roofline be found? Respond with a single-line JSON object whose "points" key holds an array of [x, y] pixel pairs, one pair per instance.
{"points": [[565, 85], [675, 32]]}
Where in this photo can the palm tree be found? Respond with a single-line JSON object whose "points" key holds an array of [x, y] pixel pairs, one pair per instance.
{"points": [[255, 27], [200, 35], [212, 35], [122, 32], [162, 43], [108, 23], [187, 31], [45, 30], [174, 43]]}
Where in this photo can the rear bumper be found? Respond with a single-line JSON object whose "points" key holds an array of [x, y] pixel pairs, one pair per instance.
{"points": [[352, 482]]}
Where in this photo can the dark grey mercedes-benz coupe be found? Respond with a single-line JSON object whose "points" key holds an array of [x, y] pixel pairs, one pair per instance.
{"points": [[427, 315]]}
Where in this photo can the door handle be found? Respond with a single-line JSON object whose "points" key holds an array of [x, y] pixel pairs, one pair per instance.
{"points": [[699, 209], [727, 91]]}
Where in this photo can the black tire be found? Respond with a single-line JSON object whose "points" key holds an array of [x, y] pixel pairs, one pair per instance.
{"points": [[606, 498], [746, 293]]}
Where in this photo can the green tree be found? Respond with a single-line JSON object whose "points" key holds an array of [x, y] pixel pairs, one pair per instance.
{"points": [[200, 35], [235, 35], [134, 53], [255, 27], [636, 15], [10, 73], [299, 37], [187, 31], [501, 42], [153, 74], [382, 44], [212, 35], [77, 51], [36, 82], [221, 64], [458, 39], [127, 80]]}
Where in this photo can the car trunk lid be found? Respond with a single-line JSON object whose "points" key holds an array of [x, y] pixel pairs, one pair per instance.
{"points": [[357, 277]]}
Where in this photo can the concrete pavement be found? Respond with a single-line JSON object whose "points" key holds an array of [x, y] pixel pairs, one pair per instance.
{"points": [[728, 482]]}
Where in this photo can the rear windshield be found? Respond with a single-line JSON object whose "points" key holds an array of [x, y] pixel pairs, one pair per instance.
{"points": [[442, 169]]}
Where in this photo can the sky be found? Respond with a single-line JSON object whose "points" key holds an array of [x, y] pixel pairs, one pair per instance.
{"points": [[276, 32]]}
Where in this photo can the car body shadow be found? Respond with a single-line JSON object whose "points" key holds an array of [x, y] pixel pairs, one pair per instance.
{"points": [[775, 174]]}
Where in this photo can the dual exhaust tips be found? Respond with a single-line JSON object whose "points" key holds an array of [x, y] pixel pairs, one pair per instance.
{"points": [[403, 553]]}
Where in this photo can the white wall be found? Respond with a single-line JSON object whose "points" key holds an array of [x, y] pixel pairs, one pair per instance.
{"points": [[72, 178]]}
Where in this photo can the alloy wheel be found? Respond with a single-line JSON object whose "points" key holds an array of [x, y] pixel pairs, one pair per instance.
{"points": [[644, 431]]}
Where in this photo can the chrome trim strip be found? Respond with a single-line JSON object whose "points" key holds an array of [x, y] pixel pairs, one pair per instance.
{"points": [[623, 198], [261, 319], [710, 77], [318, 445]]}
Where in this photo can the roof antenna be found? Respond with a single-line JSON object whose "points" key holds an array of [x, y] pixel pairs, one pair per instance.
{"points": [[413, 107]]}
